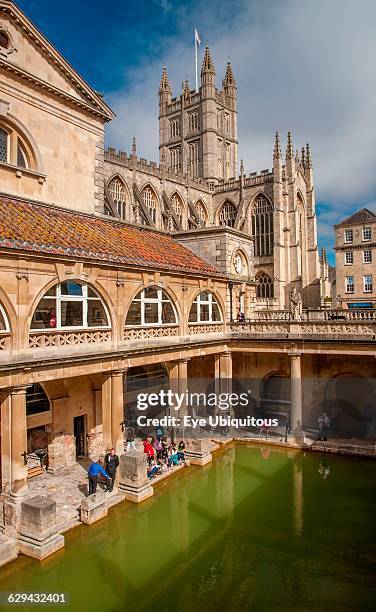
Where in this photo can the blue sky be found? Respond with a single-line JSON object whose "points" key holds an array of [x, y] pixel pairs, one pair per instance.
{"points": [[302, 66]]}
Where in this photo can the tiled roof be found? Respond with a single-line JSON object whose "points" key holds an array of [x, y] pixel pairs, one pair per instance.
{"points": [[364, 215], [37, 228]]}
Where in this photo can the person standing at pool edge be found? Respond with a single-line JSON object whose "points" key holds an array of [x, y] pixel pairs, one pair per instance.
{"points": [[111, 462], [93, 472]]}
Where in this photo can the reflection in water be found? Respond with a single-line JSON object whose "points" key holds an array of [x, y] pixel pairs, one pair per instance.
{"points": [[250, 531], [324, 469]]}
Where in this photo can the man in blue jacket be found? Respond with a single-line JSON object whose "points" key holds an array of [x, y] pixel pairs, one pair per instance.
{"points": [[93, 472]]}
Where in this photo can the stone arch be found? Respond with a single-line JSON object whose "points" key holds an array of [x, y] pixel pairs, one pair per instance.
{"points": [[349, 401], [218, 300], [275, 396], [33, 154], [176, 198], [202, 211]]}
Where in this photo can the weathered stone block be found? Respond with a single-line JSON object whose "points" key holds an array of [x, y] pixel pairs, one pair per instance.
{"points": [[133, 476], [61, 452], [8, 549], [38, 535], [93, 508], [198, 451]]}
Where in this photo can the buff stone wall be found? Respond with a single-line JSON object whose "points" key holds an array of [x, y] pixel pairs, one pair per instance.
{"points": [[68, 142]]}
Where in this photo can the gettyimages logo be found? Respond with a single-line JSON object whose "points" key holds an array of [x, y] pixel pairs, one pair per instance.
{"points": [[192, 410]]}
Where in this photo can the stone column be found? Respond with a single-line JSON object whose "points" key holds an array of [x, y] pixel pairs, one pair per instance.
{"points": [[225, 372], [117, 410], [106, 413], [183, 383], [18, 441], [6, 427], [296, 396]]}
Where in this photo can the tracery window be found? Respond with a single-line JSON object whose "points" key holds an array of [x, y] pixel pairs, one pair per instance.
{"points": [[202, 214], [151, 306], [150, 201], [193, 158], [265, 286], [193, 121], [70, 305], [175, 159], [177, 206], [205, 309], [118, 194], [4, 325], [227, 215], [174, 127], [262, 226]]}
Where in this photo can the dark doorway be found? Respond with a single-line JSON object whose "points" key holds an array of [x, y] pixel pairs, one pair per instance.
{"points": [[79, 428]]}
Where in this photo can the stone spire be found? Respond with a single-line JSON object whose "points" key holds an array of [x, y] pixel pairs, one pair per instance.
{"points": [[207, 64], [229, 83], [308, 156], [277, 154], [241, 167], [297, 158], [134, 147], [303, 160], [323, 255], [186, 90], [164, 84], [289, 147]]}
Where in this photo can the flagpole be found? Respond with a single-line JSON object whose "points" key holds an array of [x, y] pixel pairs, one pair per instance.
{"points": [[196, 62]]}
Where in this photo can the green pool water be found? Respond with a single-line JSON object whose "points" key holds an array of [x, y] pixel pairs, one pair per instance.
{"points": [[258, 529]]}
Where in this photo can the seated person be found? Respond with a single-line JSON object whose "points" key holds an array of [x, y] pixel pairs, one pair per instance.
{"points": [[181, 449], [154, 469]]}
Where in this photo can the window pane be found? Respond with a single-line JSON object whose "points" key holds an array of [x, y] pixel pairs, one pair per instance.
{"points": [[168, 315], [91, 292], [96, 314], [51, 291], [151, 313], [134, 314], [204, 296], [44, 316], [204, 312], [21, 158], [2, 322], [71, 314], [193, 313], [216, 315], [70, 288], [151, 292]]}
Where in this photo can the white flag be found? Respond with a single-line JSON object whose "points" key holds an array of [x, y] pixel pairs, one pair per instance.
{"points": [[197, 38]]}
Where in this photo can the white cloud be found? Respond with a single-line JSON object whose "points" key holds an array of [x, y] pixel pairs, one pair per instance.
{"points": [[303, 66]]}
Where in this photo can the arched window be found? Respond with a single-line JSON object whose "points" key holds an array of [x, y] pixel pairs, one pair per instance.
{"points": [[151, 306], [118, 194], [227, 215], [4, 40], [177, 206], [4, 324], [262, 226], [15, 148], [265, 287], [36, 400], [70, 305], [202, 214], [150, 201], [4, 145], [205, 309]]}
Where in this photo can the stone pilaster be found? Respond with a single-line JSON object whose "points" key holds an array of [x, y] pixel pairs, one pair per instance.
{"points": [[296, 397], [18, 441]]}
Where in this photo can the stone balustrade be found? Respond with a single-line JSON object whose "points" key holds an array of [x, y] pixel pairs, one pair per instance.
{"points": [[141, 333], [205, 328], [297, 329], [50, 338], [4, 341]]}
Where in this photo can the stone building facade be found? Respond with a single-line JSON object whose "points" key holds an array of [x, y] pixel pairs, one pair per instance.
{"points": [[114, 270], [355, 242]]}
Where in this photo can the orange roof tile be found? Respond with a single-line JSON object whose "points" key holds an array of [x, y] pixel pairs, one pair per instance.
{"points": [[39, 228]]}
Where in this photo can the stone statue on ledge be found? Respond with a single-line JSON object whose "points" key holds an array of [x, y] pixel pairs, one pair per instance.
{"points": [[296, 304]]}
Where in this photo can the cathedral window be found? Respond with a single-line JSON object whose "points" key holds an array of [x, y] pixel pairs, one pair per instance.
{"points": [[69, 305], [175, 159], [151, 306], [118, 194], [177, 206], [227, 215], [227, 124], [228, 159], [174, 127], [193, 121], [219, 157], [262, 226], [202, 215], [205, 309], [150, 201], [219, 119], [193, 158], [265, 287]]}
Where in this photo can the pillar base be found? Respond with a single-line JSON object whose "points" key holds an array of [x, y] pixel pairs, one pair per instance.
{"points": [[40, 549], [297, 437], [196, 459], [93, 508], [137, 494], [198, 451], [8, 549]]}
